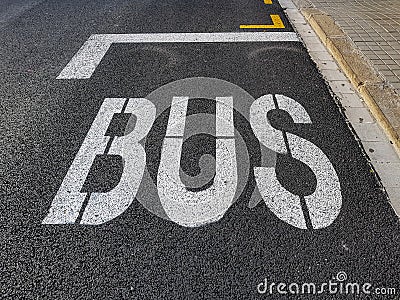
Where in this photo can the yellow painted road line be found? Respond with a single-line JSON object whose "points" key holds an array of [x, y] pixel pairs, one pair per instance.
{"points": [[267, 1], [276, 23]]}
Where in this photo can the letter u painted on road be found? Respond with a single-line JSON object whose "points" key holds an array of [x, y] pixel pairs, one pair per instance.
{"points": [[189, 208]]}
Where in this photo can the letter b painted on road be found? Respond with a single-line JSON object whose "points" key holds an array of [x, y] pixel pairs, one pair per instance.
{"points": [[97, 208]]}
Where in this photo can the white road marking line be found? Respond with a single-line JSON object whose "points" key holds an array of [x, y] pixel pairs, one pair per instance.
{"points": [[85, 61], [177, 117], [224, 121]]}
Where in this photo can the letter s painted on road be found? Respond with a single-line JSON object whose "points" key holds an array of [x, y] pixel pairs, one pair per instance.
{"points": [[325, 203]]}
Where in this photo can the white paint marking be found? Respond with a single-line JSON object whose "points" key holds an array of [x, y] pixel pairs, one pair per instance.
{"points": [[189, 208], [85, 61], [69, 199], [325, 203], [224, 117], [103, 207], [177, 117], [266, 134], [285, 205]]}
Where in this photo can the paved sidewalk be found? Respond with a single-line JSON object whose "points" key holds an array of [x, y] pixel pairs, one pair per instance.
{"points": [[364, 39], [374, 27], [361, 77]]}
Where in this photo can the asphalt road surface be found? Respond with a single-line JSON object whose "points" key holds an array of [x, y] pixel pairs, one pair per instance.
{"points": [[211, 165]]}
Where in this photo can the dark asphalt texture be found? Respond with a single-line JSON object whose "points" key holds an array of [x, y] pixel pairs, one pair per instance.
{"points": [[138, 255]]}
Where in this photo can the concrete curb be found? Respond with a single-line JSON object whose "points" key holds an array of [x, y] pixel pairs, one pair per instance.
{"points": [[382, 100]]}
